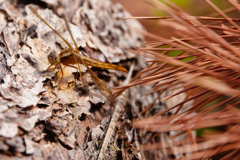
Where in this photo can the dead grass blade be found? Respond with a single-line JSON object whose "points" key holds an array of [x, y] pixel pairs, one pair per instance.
{"points": [[207, 67]]}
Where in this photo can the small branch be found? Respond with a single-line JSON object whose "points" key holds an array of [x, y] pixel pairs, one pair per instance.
{"points": [[116, 114]]}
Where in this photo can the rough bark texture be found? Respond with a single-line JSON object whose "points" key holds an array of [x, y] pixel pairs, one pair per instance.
{"points": [[40, 119]]}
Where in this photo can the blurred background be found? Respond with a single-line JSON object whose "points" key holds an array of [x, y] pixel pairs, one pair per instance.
{"points": [[145, 8]]}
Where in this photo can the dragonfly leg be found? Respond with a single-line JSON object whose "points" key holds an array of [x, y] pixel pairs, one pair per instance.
{"points": [[70, 84], [48, 69], [52, 69], [61, 72], [73, 67], [65, 51]]}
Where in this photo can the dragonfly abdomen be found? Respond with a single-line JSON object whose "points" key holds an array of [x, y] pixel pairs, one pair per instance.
{"points": [[69, 59], [104, 65]]}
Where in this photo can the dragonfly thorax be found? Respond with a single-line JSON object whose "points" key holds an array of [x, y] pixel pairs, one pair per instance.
{"points": [[53, 57]]}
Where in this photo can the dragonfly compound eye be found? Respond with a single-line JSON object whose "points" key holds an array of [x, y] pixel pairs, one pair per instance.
{"points": [[53, 58]]}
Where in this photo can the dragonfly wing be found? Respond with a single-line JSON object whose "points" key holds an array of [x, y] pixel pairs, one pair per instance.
{"points": [[100, 85], [70, 47], [83, 78]]}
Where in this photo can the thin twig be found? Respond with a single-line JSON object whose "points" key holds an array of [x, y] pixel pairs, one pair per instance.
{"points": [[116, 114]]}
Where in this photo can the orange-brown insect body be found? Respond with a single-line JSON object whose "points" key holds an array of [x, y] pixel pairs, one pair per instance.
{"points": [[72, 56], [69, 59]]}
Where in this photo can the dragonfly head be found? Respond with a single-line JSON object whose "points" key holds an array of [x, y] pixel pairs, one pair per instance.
{"points": [[53, 58]]}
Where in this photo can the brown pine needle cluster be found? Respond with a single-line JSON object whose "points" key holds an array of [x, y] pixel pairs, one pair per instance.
{"points": [[208, 68]]}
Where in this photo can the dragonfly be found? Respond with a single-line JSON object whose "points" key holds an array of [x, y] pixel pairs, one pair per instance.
{"points": [[71, 56]]}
